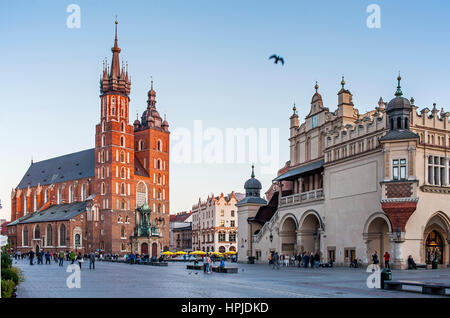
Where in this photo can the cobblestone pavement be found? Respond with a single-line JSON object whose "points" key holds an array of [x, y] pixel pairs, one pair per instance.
{"points": [[124, 280]]}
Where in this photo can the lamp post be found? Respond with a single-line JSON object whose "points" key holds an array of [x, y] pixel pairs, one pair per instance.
{"points": [[398, 232], [271, 237], [315, 236]]}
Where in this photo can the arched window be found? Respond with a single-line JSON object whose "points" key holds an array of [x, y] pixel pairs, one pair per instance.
{"points": [[25, 204], [158, 164], [141, 145], [122, 126], [46, 195], [141, 194], [103, 141], [122, 188], [70, 194], [103, 188], [25, 236], [37, 232], [35, 202], [83, 192], [159, 208], [406, 123], [159, 179], [62, 235], [122, 157], [122, 231], [59, 196], [122, 141], [127, 220], [399, 123], [49, 235], [159, 145], [77, 240], [392, 123]]}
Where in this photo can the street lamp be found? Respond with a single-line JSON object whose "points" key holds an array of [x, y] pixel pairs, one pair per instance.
{"points": [[315, 236], [398, 232], [271, 237]]}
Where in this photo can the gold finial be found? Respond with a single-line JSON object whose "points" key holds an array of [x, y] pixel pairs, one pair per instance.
{"points": [[342, 82], [316, 86]]}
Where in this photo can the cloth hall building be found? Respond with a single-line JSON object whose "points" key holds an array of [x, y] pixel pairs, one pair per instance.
{"points": [[355, 184], [113, 198]]}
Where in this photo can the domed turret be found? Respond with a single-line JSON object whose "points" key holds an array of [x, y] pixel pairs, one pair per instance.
{"points": [[399, 110], [252, 186]]}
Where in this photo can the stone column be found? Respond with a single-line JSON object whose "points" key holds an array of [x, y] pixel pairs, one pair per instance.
{"points": [[398, 252], [299, 242], [426, 170]]}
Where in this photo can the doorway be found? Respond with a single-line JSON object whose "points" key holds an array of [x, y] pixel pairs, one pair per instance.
{"points": [[434, 248]]}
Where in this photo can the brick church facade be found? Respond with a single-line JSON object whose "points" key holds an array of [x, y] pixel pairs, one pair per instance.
{"points": [[113, 198]]}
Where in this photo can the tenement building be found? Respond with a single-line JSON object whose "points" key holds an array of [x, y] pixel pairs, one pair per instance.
{"points": [[357, 184], [214, 223], [113, 198], [181, 232]]}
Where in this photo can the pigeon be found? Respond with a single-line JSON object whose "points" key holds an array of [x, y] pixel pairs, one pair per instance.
{"points": [[276, 59]]}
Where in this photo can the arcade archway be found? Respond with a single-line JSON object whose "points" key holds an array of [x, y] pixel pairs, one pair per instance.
{"points": [[435, 243], [310, 232], [288, 236]]}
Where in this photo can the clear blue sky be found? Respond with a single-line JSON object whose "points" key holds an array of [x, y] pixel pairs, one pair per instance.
{"points": [[209, 62]]}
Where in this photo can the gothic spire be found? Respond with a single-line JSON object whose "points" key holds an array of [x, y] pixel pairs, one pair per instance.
{"points": [[115, 64]]}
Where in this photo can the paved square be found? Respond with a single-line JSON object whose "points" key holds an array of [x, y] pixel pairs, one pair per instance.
{"points": [[124, 280]]}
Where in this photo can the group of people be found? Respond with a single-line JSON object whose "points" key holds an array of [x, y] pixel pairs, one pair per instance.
{"points": [[57, 257], [304, 259]]}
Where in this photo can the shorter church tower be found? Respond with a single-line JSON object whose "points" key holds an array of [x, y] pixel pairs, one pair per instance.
{"points": [[247, 210]]}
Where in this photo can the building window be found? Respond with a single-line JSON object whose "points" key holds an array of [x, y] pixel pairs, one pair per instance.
{"points": [[25, 236], [77, 240], [141, 145], [83, 192], [71, 194], [232, 237], [59, 196], [232, 223], [103, 141], [122, 141], [436, 171], [222, 212], [159, 145], [399, 169], [37, 232], [25, 204], [232, 213], [222, 223], [62, 235]]}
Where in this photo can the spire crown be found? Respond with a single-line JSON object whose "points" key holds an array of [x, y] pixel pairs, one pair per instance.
{"points": [[399, 92]]}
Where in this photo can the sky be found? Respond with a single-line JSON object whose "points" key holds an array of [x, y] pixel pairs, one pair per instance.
{"points": [[209, 62]]}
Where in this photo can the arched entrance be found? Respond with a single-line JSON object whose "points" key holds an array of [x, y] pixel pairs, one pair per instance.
{"points": [[144, 248], [288, 236], [221, 249], [435, 244], [377, 238], [154, 249], [310, 232], [434, 248]]}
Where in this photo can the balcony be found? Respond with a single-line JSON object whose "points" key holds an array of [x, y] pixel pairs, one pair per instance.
{"points": [[303, 197]]}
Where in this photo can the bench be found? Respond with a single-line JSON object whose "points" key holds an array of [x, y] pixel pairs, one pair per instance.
{"points": [[158, 263], [196, 267], [219, 269], [427, 287], [422, 266]]}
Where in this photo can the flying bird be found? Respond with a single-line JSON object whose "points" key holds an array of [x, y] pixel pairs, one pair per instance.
{"points": [[276, 59]]}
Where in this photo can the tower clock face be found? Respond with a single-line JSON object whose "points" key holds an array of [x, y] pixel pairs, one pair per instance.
{"points": [[315, 121]]}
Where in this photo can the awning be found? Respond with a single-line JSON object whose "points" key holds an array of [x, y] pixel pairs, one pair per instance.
{"points": [[292, 174]]}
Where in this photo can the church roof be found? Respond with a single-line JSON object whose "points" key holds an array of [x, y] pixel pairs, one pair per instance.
{"points": [[59, 212], [77, 165]]}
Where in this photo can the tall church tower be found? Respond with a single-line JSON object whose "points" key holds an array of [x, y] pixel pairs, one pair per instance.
{"points": [[114, 148]]}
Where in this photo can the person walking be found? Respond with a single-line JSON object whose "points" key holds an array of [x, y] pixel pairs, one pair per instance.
{"points": [[92, 260], [387, 257], [317, 260], [72, 256], [79, 259], [306, 259], [31, 254], [270, 258], [276, 261], [47, 258], [208, 264], [61, 258], [311, 259]]}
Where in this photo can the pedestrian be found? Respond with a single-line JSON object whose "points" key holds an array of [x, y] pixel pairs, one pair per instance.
{"points": [[208, 264], [31, 254], [311, 259], [375, 258], [411, 263], [72, 256], [275, 261], [79, 259], [270, 258], [387, 257], [61, 258], [317, 260], [47, 258], [92, 260], [306, 259]]}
